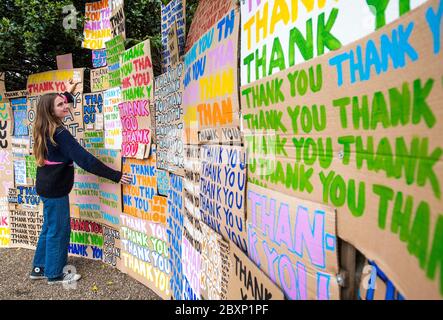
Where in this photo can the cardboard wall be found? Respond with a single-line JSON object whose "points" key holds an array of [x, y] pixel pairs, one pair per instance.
{"points": [[340, 130], [268, 142]]}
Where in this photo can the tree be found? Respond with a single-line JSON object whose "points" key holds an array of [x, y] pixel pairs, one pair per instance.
{"points": [[32, 34]]}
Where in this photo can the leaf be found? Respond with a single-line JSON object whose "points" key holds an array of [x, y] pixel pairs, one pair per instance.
{"points": [[94, 288]]}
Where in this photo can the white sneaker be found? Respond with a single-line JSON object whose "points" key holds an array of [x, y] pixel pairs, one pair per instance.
{"points": [[66, 278]]}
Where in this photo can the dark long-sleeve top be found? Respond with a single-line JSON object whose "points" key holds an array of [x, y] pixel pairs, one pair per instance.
{"points": [[56, 178]]}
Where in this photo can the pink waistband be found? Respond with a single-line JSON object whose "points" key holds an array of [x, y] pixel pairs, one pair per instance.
{"points": [[52, 163]]}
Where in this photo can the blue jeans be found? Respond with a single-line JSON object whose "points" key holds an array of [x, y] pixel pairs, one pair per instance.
{"points": [[52, 247]]}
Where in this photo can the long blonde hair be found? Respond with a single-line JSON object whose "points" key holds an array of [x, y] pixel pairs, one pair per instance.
{"points": [[45, 125]]}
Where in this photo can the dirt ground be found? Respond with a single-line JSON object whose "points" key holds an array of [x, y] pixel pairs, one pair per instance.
{"points": [[98, 282]]}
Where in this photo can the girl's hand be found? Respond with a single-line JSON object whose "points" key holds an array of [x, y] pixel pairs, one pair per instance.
{"points": [[71, 85], [126, 178]]}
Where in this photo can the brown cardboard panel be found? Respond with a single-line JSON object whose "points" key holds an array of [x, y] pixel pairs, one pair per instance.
{"points": [[374, 284], [277, 34], [169, 120], [117, 18], [137, 92], [114, 48], [19, 115], [6, 172], [144, 254], [215, 265], [173, 46], [99, 79], [25, 225], [98, 58], [140, 198], [294, 242], [86, 190], [112, 247], [56, 82], [222, 191], [247, 281], [364, 141], [97, 29], [95, 198], [86, 239], [191, 245], [207, 14], [111, 115], [2, 83], [192, 180], [143, 228], [15, 94], [93, 119], [210, 99]]}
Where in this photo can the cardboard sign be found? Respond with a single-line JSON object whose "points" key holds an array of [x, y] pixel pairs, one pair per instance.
{"points": [[99, 79], [140, 197], [20, 114], [247, 281], [375, 285], [12, 195], [117, 19], [64, 61], [162, 182], [137, 95], [207, 14], [2, 84], [215, 265], [5, 230], [169, 120], [114, 48], [20, 146], [173, 17], [98, 199], [192, 181], [31, 167], [145, 250], [191, 264], [294, 242], [210, 84], [175, 225], [57, 82], [15, 94], [86, 190], [27, 197], [222, 191], [97, 29], [6, 172], [99, 58], [110, 197], [20, 172], [297, 31], [86, 239], [92, 111], [145, 255], [340, 140], [192, 230], [112, 122], [25, 226], [112, 247]]}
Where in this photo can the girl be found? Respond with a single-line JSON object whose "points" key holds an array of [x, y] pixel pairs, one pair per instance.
{"points": [[55, 150]]}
